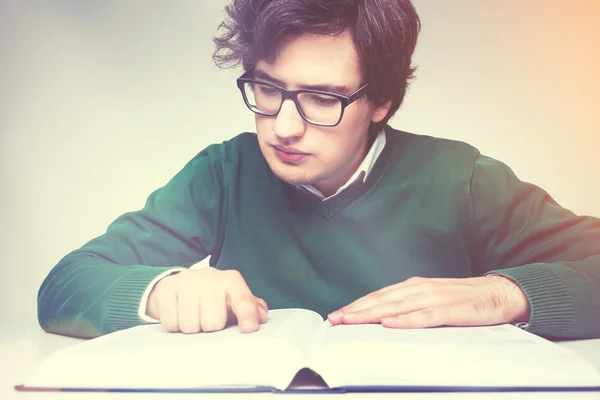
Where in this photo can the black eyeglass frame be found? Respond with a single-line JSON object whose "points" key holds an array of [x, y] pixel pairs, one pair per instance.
{"points": [[293, 95]]}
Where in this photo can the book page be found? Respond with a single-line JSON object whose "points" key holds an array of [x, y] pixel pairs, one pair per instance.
{"points": [[148, 356], [492, 356]]}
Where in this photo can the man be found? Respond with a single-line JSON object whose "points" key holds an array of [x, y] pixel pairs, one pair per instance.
{"points": [[328, 208]]}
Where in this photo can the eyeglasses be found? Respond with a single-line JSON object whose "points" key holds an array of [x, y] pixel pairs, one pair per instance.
{"points": [[315, 106]]}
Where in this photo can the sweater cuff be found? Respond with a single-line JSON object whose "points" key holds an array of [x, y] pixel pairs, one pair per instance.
{"points": [[551, 303], [124, 303]]}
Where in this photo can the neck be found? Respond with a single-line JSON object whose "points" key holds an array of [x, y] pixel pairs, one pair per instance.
{"points": [[329, 186]]}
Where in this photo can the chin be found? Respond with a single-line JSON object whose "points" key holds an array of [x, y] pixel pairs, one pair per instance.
{"points": [[289, 174], [288, 177]]}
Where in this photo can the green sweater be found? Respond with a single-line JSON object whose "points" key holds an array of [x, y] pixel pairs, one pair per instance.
{"points": [[430, 207]]}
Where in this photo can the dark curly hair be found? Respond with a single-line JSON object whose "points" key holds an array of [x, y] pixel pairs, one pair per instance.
{"points": [[384, 33]]}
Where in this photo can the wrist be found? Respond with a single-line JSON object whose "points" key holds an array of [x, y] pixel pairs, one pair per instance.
{"points": [[151, 305], [515, 304]]}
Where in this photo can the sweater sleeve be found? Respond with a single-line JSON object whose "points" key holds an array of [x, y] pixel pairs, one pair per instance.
{"points": [[551, 253], [98, 288]]}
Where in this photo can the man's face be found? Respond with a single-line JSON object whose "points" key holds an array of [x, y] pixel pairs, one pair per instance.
{"points": [[297, 151]]}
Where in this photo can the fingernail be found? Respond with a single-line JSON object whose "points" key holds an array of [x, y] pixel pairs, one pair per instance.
{"points": [[248, 326], [263, 315], [337, 315]]}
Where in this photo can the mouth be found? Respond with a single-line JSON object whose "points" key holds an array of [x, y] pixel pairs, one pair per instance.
{"points": [[289, 155]]}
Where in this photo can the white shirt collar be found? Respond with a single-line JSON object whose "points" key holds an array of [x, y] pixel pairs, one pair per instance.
{"points": [[364, 169]]}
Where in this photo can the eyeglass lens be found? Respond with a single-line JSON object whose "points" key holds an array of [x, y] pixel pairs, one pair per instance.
{"points": [[317, 108]]}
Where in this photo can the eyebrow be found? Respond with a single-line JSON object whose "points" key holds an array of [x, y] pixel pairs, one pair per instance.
{"points": [[340, 89]]}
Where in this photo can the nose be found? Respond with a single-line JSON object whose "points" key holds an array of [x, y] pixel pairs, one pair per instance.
{"points": [[288, 122]]}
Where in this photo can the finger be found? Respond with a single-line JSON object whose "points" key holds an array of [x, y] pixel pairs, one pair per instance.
{"points": [[398, 294], [411, 303], [263, 310], [213, 311], [246, 312], [262, 303], [244, 306], [188, 311], [167, 311], [367, 301], [372, 315], [373, 298], [335, 318], [263, 315], [427, 318]]}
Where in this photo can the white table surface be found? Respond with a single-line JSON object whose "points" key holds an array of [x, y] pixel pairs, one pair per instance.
{"points": [[21, 350]]}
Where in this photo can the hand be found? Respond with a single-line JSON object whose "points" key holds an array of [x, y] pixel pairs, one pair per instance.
{"points": [[429, 302], [206, 299]]}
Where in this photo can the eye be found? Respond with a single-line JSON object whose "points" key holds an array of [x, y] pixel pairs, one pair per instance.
{"points": [[266, 90], [325, 101]]}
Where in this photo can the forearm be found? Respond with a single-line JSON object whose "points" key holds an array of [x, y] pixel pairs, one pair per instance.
{"points": [[86, 296], [98, 288], [564, 297], [551, 253]]}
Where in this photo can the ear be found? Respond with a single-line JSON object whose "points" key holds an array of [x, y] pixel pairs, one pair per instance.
{"points": [[381, 111]]}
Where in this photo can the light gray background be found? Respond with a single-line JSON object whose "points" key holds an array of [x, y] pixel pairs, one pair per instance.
{"points": [[102, 101]]}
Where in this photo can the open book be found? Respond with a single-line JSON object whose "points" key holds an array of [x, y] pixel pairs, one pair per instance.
{"points": [[350, 357]]}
